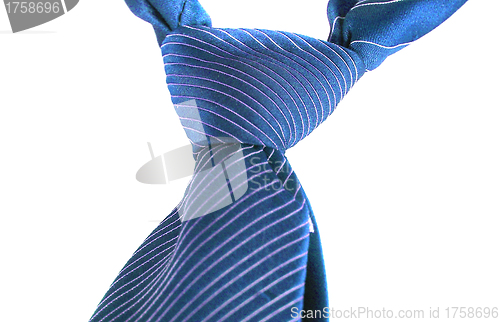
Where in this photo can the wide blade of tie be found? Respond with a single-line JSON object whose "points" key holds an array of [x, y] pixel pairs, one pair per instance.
{"points": [[243, 244]]}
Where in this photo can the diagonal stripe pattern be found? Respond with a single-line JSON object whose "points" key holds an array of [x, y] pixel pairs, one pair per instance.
{"points": [[243, 261], [260, 87]]}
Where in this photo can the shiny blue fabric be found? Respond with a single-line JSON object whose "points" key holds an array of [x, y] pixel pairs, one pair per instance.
{"points": [[244, 245], [377, 29], [165, 16]]}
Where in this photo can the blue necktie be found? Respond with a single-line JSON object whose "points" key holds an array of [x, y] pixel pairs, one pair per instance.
{"points": [[243, 244]]}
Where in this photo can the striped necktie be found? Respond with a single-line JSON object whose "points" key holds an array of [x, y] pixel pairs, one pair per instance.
{"points": [[243, 244]]}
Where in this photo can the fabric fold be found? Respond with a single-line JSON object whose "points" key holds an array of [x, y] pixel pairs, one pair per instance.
{"points": [[376, 29], [167, 15]]}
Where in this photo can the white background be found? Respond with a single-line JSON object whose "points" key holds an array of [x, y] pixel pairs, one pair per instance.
{"points": [[405, 184]]}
